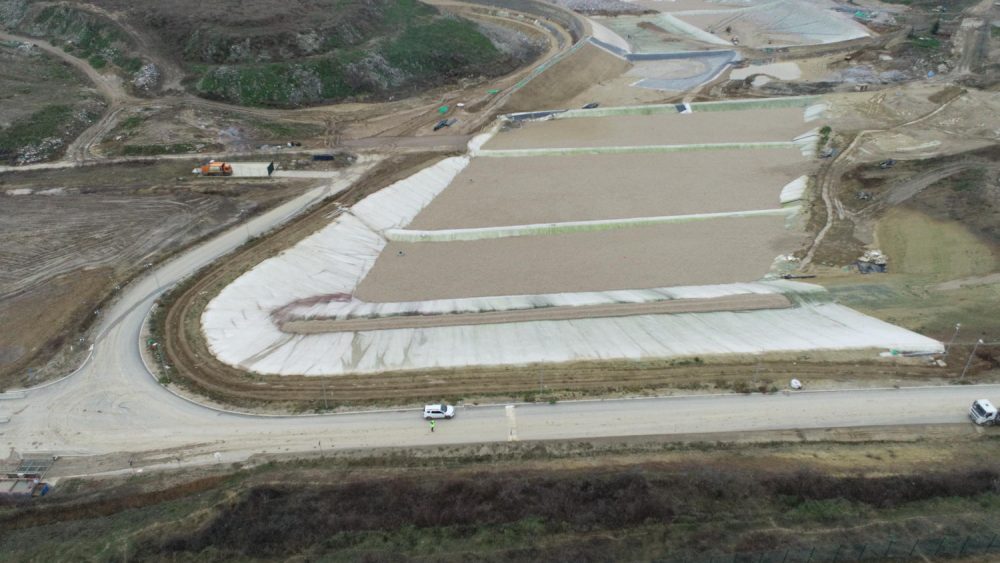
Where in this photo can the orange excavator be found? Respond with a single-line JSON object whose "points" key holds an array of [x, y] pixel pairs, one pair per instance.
{"points": [[214, 168]]}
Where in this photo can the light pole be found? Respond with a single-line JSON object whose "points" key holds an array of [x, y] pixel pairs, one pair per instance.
{"points": [[969, 361], [958, 326]]}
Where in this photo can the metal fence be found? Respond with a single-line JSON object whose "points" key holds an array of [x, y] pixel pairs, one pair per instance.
{"points": [[939, 548]]}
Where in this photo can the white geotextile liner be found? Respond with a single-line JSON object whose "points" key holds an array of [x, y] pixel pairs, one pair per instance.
{"points": [[356, 308], [782, 71], [806, 328], [397, 205], [673, 23], [536, 229], [794, 190], [604, 34], [237, 323], [816, 111], [807, 143]]}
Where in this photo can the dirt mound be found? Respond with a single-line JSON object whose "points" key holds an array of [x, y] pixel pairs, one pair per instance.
{"points": [[231, 31], [565, 79]]}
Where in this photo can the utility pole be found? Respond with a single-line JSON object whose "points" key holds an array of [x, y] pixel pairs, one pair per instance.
{"points": [[958, 326], [969, 361]]}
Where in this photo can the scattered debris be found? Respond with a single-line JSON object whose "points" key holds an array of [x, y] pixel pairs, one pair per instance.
{"points": [[147, 78], [872, 261], [444, 123]]}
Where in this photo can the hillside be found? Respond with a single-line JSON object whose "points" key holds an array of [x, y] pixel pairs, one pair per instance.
{"points": [[251, 53]]}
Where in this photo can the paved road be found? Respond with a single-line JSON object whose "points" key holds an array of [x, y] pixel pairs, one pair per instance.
{"points": [[113, 404]]}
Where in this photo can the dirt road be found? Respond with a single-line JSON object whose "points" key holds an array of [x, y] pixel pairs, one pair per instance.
{"points": [[829, 176], [109, 86], [974, 32]]}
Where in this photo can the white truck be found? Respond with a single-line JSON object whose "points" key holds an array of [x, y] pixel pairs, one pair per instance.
{"points": [[983, 413]]}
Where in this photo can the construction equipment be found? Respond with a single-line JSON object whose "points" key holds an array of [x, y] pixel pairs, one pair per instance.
{"points": [[214, 168], [983, 413]]}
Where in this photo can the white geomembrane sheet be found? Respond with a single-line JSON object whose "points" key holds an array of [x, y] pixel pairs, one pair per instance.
{"points": [[318, 277]]}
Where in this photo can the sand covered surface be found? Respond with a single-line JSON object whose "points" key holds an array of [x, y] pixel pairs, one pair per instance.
{"points": [[705, 252], [780, 124], [494, 192]]}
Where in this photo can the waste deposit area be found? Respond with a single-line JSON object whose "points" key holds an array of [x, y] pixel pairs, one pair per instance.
{"points": [[528, 223]]}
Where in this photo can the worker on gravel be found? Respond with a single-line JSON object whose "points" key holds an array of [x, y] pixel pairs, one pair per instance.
{"points": [[432, 426]]}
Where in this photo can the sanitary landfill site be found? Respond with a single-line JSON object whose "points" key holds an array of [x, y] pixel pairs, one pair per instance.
{"points": [[500, 280]]}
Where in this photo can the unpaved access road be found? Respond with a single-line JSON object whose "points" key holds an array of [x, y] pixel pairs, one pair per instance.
{"points": [[113, 404]]}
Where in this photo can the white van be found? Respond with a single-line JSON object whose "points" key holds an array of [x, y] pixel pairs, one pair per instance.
{"points": [[438, 411], [983, 413]]}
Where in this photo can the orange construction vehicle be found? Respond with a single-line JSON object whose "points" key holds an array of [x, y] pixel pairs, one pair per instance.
{"points": [[214, 168]]}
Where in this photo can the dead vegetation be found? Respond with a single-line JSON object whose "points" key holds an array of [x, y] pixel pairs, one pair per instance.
{"points": [[557, 501]]}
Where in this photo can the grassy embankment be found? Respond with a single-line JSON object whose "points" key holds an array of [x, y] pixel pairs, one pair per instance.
{"points": [[567, 502], [422, 54]]}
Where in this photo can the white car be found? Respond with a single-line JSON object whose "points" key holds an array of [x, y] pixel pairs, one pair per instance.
{"points": [[438, 411]]}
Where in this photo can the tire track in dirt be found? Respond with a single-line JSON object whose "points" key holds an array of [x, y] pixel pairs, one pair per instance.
{"points": [[829, 177]]}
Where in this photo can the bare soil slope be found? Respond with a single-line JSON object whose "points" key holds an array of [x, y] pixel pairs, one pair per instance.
{"points": [[565, 79]]}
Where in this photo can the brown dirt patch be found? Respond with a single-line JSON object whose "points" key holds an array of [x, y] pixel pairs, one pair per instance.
{"points": [[490, 192], [83, 231], [715, 251], [564, 80], [781, 124], [41, 322], [750, 302]]}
